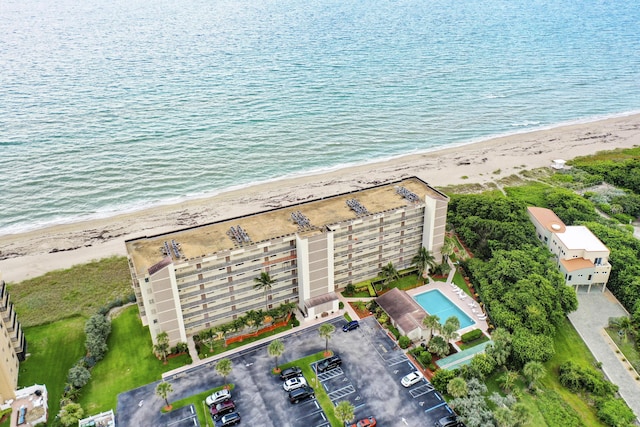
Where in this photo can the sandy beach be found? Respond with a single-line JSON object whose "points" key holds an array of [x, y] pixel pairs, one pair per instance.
{"points": [[34, 253]]}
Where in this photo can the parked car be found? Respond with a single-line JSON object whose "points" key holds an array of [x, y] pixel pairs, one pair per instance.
{"points": [[412, 378], [291, 372], [294, 383], [228, 420], [351, 326], [218, 397], [301, 393], [449, 421], [366, 422], [220, 409], [329, 363]]}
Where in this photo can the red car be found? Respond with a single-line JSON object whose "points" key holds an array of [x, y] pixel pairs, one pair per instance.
{"points": [[365, 422], [217, 411]]}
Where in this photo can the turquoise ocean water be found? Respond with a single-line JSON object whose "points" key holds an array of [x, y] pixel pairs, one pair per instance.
{"points": [[119, 105]]}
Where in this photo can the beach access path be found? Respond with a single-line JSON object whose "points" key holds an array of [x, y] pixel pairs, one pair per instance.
{"points": [[590, 319]]}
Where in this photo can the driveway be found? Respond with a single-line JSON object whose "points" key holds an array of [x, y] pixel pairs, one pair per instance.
{"points": [[369, 378], [594, 311]]}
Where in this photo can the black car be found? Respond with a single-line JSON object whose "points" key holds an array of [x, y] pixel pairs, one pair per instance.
{"points": [[449, 421], [291, 372], [301, 393], [329, 363], [228, 420], [351, 326]]}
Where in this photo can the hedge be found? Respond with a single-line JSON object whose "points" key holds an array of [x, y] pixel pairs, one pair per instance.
{"points": [[471, 335]]}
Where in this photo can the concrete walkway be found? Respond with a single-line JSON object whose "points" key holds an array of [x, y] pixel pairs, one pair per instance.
{"points": [[594, 311]]}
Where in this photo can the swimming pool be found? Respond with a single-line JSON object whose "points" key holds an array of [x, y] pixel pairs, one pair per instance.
{"points": [[434, 302]]}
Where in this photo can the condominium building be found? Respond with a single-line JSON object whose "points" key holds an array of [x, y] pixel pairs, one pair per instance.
{"points": [[196, 278], [13, 346], [581, 257]]}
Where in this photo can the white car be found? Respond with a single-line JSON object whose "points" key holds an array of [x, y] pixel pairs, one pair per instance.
{"points": [[412, 378], [294, 383], [218, 397]]}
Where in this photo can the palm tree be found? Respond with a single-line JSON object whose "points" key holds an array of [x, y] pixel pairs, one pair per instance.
{"points": [[325, 331], [432, 322], [344, 411], [275, 349], [508, 380], [224, 368], [439, 346], [162, 390], [389, 273], [424, 260], [457, 387], [449, 329], [533, 371], [447, 247], [264, 282], [161, 347], [625, 328]]}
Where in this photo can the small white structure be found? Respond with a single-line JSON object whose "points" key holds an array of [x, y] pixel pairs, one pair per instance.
{"points": [[580, 255], [30, 406], [104, 419], [558, 164]]}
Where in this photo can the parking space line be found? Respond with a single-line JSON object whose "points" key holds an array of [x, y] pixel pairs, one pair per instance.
{"points": [[324, 376], [436, 407], [396, 360], [419, 391], [341, 392]]}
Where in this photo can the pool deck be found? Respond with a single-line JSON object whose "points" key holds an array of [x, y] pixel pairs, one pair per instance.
{"points": [[448, 290]]}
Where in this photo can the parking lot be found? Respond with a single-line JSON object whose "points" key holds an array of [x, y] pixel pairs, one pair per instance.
{"points": [[369, 378]]}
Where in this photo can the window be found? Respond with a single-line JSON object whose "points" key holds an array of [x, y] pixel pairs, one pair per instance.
{"points": [[569, 278], [589, 278]]}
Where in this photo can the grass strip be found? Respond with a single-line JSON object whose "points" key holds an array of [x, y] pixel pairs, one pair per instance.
{"points": [[321, 395]]}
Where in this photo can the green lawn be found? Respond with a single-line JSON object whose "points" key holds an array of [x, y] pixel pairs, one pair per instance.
{"points": [[128, 365], [569, 346], [53, 349], [479, 340], [80, 290]]}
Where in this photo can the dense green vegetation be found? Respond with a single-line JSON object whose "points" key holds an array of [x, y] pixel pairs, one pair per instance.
{"points": [[78, 291]]}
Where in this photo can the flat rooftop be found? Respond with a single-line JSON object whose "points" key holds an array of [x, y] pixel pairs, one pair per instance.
{"points": [[208, 239], [580, 237]]}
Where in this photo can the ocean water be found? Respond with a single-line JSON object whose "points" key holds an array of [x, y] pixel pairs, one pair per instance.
{"points": [[116, 105]]}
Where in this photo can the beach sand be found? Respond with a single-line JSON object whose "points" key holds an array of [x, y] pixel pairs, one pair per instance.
{"points": [[34, 253]]}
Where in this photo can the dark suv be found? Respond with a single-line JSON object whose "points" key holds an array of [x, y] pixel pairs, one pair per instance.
{"points": [[351, 326], [449, 421], [301, 393], [329, 363], [228, 420], [291, 372]]}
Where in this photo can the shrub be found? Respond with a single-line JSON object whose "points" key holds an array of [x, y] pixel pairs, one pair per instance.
{"points": [[404, 341], [425, 358], [615, 412], [181, 347], [441, 379], [340, 305], [576, 378], [372, 292], [471, 335], [350, 289], [295, 322]]}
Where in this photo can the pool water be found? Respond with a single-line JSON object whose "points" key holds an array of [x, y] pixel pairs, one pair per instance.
{"points": [[435, 303]]}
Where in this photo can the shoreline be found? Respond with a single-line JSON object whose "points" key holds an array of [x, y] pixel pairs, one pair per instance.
{"points": [[33, 253], [176, 200]]}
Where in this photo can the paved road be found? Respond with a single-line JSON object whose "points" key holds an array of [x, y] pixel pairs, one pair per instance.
{"points": [[594, 311]]}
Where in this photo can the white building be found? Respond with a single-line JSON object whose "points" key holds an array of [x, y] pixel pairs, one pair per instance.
{"points": [[580, 255]]}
